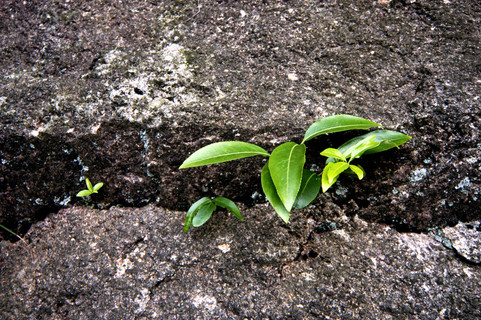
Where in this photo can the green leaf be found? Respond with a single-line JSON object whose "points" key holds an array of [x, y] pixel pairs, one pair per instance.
{"points": [[89, 184], [229, 205], [192, 211], [337, 123], [204, 214], [387, 139], [310, 186], [84, 193], [98, 186], [326, 184], [333, 153], [271, 194], [285, 166], [362, 146], [335, 170], [358, 170], [222, 152]]}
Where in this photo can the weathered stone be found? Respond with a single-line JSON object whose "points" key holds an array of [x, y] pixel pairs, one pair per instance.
{"points": [[128, 91], [121, 92], [466, 239], [125, 263]]}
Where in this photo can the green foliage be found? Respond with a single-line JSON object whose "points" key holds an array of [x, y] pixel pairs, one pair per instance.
{"points": [[202, 210], [90, 189], [285, 182], [222, 152]]}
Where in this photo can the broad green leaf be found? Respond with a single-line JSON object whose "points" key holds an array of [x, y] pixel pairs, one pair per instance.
{"points": [[89, 184], [285, 166], [358, 170], [337, 123], [98, 186], [192, 211], [222, 152], [335, 170], [333, 153], [310, 186], [271, 194], [84, 193], [388, 139], [229, 205], [204, 214], [326, 184], [362, 146]]}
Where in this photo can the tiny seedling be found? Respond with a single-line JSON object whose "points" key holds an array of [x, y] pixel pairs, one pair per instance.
{"points": [[285, 182], [90, 189], [16, 235], [202, 210]]}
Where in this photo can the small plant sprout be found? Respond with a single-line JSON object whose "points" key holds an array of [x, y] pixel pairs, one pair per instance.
{"points": [[90, 189], [202, 210], [13, 233], [285, 182]]}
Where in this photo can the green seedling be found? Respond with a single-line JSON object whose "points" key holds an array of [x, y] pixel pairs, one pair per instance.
{"points": [[339, 160], [13, 233], [202, 210], [90, 189], [285, 182]]}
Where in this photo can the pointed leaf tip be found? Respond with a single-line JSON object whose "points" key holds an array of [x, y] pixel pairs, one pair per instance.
{"points": [[337, 123], [286, 165], [222, 152]]}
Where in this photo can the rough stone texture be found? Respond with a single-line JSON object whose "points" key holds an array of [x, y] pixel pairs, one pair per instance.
{"points": [[137, 263], [122, 92], [466, 239], [179, 73]]}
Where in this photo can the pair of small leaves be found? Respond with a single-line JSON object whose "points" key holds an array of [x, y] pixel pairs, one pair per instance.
{"points": [[202, 210], [90, 189]]}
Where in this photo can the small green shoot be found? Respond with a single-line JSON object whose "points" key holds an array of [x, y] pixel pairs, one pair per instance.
{"points": [[285, 182], [202, 210], [90, 189], [13, 233]]}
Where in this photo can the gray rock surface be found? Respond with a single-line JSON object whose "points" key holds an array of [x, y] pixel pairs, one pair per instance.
{"points": [[121, 92], [137, 263], [466, 240]]}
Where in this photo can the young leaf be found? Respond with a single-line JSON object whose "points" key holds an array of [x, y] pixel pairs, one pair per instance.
{"points": [[362, 146], [84, 193], [271, 194], [335, 170], [310, 186], [337, 123], [89, 184], [358, 170], [222, 152], [192, 212], [188, 220], [388, 139], [229, 205], [326, 184], [333, 153], [204, 214], [98, 186], [285, 166]]}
